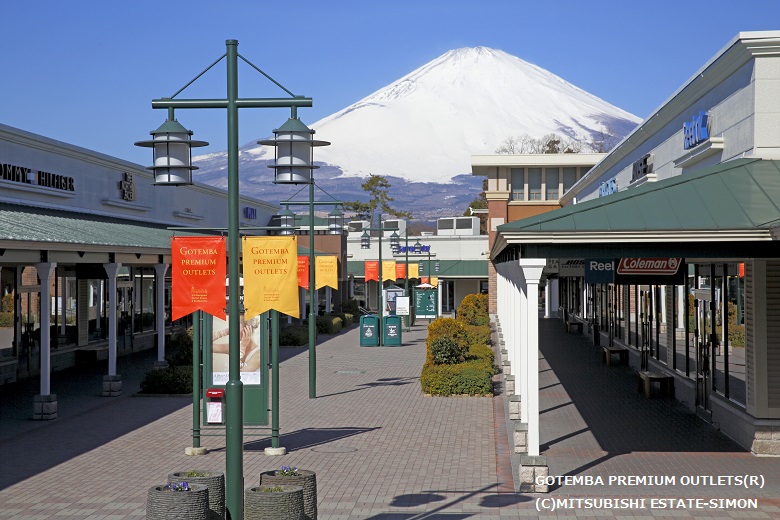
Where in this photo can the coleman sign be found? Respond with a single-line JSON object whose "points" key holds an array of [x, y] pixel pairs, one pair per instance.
{"points": [[657, 271]]}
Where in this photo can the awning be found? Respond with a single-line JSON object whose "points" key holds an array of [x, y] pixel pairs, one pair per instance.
{"points": [[723, 211], [447, 268]]}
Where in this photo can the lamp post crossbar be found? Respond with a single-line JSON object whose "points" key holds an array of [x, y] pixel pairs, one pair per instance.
{"points": [[234, 479]]}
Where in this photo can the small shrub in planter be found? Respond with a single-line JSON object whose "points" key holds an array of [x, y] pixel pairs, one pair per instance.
{"points": [[328, 324], [178, 501], [447, 351], [273, 503], [170, 380], [214, 480], [287, 476], [294, 336]]}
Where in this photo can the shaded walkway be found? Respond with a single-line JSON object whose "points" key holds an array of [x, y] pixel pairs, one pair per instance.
{"points": [[594, 422]]}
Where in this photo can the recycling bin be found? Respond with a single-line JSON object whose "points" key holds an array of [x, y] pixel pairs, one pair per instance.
{"points": [[369, 331], [215, 406], [391, 335]]}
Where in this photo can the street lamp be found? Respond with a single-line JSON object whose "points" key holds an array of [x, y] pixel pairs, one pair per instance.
{"points": [[365, 243], [173, 167], [395, 245], [294, 143]]}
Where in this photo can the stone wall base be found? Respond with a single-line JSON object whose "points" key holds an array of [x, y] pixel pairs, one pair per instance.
{"points": [[510, 384], [45, 407], [520, 437], [533, 471], [766, 440], [514, 407], [112, 386]]}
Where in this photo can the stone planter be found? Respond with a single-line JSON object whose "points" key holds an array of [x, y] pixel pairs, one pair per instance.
{"points": [[307, 480], [215, 481], [178, 505], [286, 504]]}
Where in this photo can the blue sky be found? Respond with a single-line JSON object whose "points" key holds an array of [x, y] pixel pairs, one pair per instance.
{"points": [[85, 71]]}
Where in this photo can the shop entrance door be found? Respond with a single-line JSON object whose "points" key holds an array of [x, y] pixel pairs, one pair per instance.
{"points": [[703, 346]]}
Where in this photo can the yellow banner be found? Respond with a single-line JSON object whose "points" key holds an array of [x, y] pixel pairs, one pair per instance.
{"points": [[388, 270], [434, 281], [414, 270], [327, 272], [270, 275]]}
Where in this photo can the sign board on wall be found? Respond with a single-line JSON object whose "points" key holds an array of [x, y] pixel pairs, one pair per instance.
{"points": [[571, 267], [657, 271], [426, 303], [599, 270]]}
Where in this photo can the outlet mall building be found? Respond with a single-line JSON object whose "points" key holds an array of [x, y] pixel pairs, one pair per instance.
{"points": [[96, 229], [666, 252]]}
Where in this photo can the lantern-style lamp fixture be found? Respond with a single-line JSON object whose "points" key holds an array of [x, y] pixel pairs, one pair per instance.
{"points": [[294, 143], [335, 222], [365, 240], [395, 242], [418, 247], [172, 147], [287, 222]]}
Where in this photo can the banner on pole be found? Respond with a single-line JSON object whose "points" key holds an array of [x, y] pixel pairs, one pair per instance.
{"points": [[303, 271], [414, 270], [371, 270], [198, 276], [400, 271], [388, 270], [326, 273], [270, 275]]}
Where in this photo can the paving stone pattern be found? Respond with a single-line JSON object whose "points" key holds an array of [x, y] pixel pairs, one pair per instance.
{"points": [[380, 448]]}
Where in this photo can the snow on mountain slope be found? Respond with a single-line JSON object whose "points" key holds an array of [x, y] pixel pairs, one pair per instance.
{"points": [[425, 126]]}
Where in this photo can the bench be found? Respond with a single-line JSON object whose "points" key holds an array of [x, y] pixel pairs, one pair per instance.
{"points": [[645, 379], [573, 325], [608, 351]]}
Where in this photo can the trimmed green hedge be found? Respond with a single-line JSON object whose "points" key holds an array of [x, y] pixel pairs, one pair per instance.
{"points": [[459, 358], [170, 380], [294, 336]]}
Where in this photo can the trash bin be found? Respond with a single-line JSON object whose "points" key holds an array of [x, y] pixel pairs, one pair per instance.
{"points": [[369, 331], [215, 406], [392, 331]]}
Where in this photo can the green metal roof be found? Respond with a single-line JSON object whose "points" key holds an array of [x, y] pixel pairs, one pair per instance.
{"points": [[739, 194], [447, 268], [29, 224], [723, 211]]}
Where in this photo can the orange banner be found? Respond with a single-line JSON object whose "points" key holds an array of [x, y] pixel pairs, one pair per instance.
{"points": [[388, 270], [326, 272], [271, 275], [303, 272], [372, 270], [400, 271], [198, 274]]}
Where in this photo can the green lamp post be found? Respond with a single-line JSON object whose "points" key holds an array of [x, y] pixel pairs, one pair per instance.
{"points": [[173, 167]]}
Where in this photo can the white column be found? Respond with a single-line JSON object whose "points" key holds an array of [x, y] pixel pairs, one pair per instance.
{"points": [[681, 307], [547, 304], [552, 289], [159, 272], [45, 271], [521, 318], [112, 270], [532, 272]]}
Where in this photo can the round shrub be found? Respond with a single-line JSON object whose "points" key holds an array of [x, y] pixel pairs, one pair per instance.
{"points": [[294, 336], [446, 351], [473, 310], [170, 380]]}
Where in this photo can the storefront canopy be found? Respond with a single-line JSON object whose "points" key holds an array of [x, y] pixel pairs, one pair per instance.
{"points": [[729, 210]]}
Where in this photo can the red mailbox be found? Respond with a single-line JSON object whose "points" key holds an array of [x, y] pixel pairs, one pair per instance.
{"points": [[215, 406]]}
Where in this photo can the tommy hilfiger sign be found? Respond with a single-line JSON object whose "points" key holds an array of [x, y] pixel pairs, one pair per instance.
{"points": [[11, 172]]}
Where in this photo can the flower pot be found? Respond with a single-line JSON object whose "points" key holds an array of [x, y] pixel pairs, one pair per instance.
{"points": [[215, 480], [307, 480], [273, 505], [178, 505]]}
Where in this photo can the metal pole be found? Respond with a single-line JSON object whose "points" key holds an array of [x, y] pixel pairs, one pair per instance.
{"points": [[234, 391], [406, 283], [196, 342], [379, 306], [312, 296], [274, 378]]}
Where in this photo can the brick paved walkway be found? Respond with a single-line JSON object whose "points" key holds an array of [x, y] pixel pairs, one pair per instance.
{"points": [[380, 448]]}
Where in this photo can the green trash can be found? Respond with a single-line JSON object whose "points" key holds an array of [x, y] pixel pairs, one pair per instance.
{"points": [[392, 331], [369, 331]]}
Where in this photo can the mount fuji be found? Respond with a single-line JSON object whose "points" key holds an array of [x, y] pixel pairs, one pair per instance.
{"points": [[424, 128]]}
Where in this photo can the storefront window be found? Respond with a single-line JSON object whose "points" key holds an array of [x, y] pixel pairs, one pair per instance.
{"points": [[143, 292], [569, 177], [551, 183], [517, 183], [534, 184]]}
